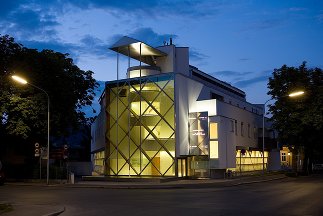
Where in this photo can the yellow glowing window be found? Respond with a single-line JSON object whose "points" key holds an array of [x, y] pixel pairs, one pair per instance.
{"points": [[213, 130], [156, 132], [145, 88], [145, 108], [214, 149]]}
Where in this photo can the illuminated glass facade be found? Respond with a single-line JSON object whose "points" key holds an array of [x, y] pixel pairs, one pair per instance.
{"points": [[141, 126]]}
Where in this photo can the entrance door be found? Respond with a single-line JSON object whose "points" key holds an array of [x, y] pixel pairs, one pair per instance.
{"points": [[182, 168]]}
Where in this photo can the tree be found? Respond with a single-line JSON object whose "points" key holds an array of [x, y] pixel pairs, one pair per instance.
{"points": [[299, 121], [23, 109]]}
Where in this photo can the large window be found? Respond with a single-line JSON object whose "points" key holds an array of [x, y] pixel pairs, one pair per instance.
{"points": [[141, 126], [214, 143], [98, 162], [247, 160], [214, 149]]}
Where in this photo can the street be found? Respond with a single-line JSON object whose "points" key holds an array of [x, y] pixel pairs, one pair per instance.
{"points": [[290, 196]]}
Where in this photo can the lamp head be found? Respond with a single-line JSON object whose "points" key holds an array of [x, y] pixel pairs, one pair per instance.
{"points": [[19, 79], [296, 94]]}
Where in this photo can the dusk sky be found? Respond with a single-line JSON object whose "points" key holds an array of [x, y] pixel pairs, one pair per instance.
{"points": [[239, 42]]}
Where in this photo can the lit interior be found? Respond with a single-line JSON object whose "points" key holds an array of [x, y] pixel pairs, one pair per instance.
{"points": [[250, 160], [141, 128], [214, 149]]}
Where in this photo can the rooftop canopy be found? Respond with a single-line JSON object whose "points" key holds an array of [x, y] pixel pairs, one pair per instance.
{"points": [[137, 50]]}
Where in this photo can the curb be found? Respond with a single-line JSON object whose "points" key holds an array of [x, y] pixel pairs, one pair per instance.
{"points": [[157, 186], [55, 213], [175, 186]]}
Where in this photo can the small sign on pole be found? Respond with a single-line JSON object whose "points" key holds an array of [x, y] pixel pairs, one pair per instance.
{"points": [[37, 150]]}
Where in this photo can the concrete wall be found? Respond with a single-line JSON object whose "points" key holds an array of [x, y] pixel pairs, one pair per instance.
{"points": [[80, 168], [167, 63]]}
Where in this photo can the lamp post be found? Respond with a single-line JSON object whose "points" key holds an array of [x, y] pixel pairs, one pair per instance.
{"points": [[293, 94], [23, 81]]}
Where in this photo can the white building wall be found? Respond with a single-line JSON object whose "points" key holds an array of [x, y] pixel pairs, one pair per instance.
{"points": [[167, 63], [186, 93], [241, 116], [227, 140]]}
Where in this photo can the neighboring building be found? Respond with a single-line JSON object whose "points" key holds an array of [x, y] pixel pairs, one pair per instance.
{"points": [[168, 118]]}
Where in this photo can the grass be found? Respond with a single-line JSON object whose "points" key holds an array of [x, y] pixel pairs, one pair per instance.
{"points": [[5, 207]]}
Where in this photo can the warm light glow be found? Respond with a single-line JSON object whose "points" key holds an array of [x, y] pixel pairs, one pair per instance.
{"points": [[213, 130], [19, 79], [214, 149], [295, 94]]}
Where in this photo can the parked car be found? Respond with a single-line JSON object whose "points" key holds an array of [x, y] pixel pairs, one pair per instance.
{"points": [[318, 167]]}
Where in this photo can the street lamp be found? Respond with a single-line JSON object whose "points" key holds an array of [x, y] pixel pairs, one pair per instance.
{"points": [[293, 94], [23, 81]]}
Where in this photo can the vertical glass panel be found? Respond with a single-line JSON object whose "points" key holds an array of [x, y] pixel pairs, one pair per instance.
{"points": [[213, 130], [214, 149], [166, 161], [198, 130], [179, 165]]}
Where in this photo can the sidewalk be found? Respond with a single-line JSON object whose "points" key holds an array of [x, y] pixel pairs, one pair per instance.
{"points": [[153, 184], [180, 183]]}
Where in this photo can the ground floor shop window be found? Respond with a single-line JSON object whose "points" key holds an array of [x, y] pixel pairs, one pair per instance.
{"points": [[248, 160]]}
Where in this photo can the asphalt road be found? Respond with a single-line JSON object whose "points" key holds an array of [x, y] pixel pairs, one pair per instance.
{"points": [[291, 196]]}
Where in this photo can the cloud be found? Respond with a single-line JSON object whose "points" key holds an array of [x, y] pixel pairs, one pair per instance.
{"points": [[8, 6], [228, 73], [94, 45], [29, 22], [320, 16], [51, 45], [297, 9], [249, 82], [239, 78], [153, 8], [150, 37], [197, 56], [264, 24]]}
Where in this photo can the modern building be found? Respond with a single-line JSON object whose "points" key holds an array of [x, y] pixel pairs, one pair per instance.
{"points": [[169, 119]]}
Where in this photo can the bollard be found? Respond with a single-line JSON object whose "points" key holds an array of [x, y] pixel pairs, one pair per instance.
{"points": [[72, 178]]}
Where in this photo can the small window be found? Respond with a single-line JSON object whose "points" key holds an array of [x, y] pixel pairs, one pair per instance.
{"points": [[231, 126], [283, 156], [236, 127], [214, 149], [213, 130], [249, 130], [242, 129], [254, 132]]}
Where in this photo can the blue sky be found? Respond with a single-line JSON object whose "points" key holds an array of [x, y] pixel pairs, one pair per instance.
{"points": [[239, 42]]}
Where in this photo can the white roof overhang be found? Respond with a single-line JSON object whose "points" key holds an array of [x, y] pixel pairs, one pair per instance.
{"points": [[137, 50]]}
